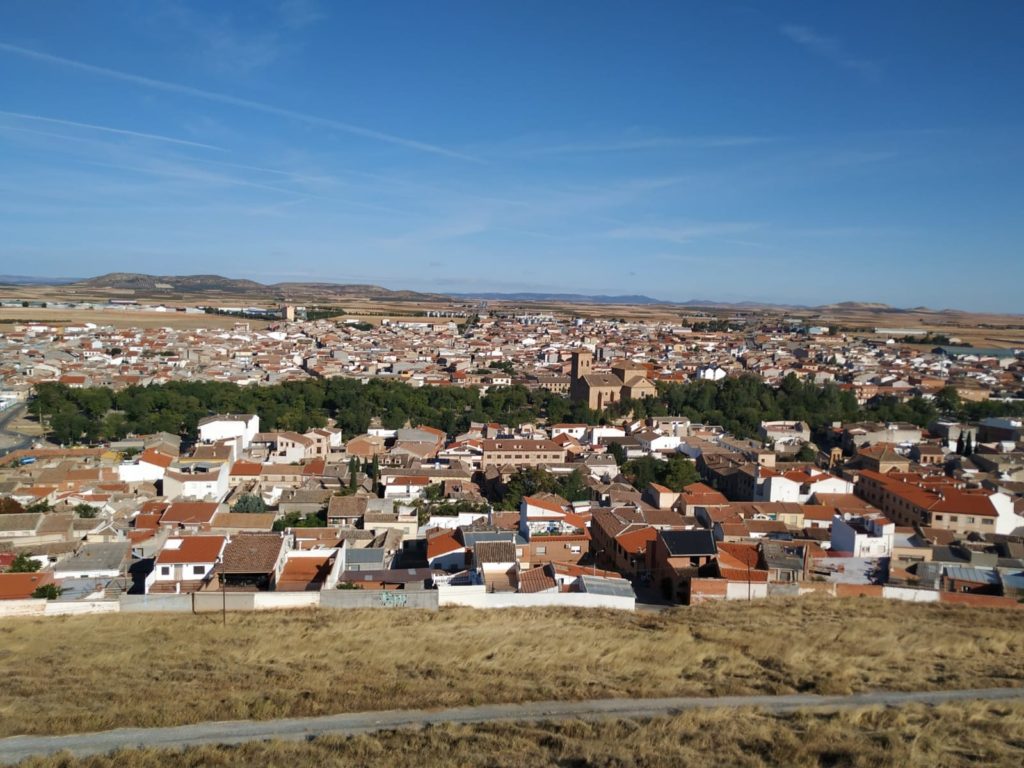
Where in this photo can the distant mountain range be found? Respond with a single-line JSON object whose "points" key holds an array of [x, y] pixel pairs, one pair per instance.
{"points": [[162, 285], [23, 280], [207, 284], [569, 298]]}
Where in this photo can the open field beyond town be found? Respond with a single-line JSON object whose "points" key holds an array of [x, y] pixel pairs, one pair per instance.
{"points": [[67, 675], [120, 318], [977, 733]]}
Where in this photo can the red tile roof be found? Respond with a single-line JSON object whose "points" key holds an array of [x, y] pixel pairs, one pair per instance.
{"points": [[192, 549], [19, 586], [186, 512]]}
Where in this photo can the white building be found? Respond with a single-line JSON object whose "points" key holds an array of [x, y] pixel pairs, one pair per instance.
{"points": [[184, 562], [863, 536], [196, 481], [243, 426]]}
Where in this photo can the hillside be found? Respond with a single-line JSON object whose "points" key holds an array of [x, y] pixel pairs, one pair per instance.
{"points": [[915, 736], [177, 283], [270, 665], [143, 284]]}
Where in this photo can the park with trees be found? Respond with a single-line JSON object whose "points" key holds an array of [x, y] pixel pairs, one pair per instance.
{"points": [[739, 404]]}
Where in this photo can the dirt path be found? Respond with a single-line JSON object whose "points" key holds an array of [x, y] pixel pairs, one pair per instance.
{"points": [[16, 748]]}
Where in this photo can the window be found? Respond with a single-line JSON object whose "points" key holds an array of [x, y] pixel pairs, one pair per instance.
{"points": [[198, 570], [938, 517], [575, 549], [165, 570], [988, 521], [970, 521], [541, 550], [952, 518]]}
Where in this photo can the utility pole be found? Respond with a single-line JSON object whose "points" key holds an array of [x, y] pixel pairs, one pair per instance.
{"points": [[223, 600]]}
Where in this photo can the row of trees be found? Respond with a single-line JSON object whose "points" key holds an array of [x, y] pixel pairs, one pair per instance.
{"points": [[530, 481], [738, 404]]}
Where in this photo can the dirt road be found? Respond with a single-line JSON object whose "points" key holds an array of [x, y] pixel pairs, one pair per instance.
{"points": [[17, 748]]}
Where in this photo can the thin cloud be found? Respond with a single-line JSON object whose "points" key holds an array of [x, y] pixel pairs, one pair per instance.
{"points": [[680, 234], [830, 48], [235, 101], [653, 143], [108, 129], [297, 14]]}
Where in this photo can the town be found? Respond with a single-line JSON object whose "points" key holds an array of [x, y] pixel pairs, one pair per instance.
{"points": [[740, 456]]}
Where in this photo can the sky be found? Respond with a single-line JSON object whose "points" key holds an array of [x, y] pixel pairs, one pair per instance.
{"points": [[790, 152]]}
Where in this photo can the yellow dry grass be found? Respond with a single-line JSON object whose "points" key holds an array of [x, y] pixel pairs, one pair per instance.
{"points": [[121, 318], [965, 734], [70, 674]]}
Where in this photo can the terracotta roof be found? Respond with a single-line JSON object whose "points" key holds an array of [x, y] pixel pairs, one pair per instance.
{"points": [[246, 468], [537, 579], [252, 553], [441, 543], [19, 586], [250, 521], [191, 549], [495, 552], [299, 572], [151, 456], [183, 512], [535, 501], [745, 555]]}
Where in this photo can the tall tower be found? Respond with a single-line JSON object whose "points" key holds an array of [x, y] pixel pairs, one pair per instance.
{"points": [[582, 364]]}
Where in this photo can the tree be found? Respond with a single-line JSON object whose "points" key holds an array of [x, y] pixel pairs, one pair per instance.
{"points": [[644, 471], [249, 502], [948, 401], [807, 452], [298, 520], [9, 506], [353, 474], [680, 473], [969, 445], [375, 472], [960, 444], [48, 592], [616, 450], [86, 511], [24, 564]]}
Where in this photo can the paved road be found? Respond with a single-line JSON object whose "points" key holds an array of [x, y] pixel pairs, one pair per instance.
{"points": [[16, 440], [18, 748]]}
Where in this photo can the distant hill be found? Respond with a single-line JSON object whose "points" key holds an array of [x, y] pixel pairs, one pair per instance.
{"points": [[342, 291], [859, 305], [161, 284], [568, 298], [176, 283], [25, 280]]}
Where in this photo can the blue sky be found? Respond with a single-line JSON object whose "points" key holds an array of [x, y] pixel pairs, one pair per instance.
{"points": [[801, 152]]}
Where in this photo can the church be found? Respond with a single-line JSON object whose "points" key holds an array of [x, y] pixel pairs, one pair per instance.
{"points": [[627, 381]]}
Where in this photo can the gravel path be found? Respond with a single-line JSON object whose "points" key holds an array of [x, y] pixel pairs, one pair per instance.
{"points": [[16, 748]]}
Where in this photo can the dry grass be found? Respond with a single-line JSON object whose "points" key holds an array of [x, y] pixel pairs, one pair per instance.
{"points": [[122, 318], [69, 674], [961, 735]]}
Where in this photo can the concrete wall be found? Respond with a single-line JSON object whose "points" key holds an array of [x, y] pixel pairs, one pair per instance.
{"points": [[379, 598], [10, 608], [911, 595], [155, 603], [479, 597], [269, 601]]}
